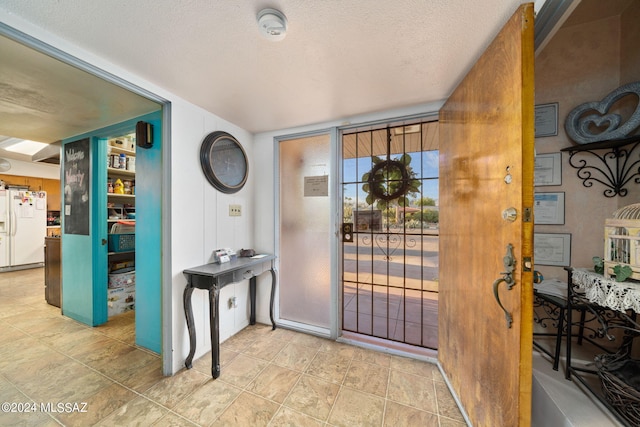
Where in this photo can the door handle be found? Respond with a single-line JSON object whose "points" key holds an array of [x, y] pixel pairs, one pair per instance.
{"points": [[14, 223], [104, 242], [509, 263]]}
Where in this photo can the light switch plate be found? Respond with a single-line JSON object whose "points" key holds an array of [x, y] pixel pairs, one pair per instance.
{"points": [[235, 210]]}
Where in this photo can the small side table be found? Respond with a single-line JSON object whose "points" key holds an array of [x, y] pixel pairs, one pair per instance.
{"points": [[213, 277]]}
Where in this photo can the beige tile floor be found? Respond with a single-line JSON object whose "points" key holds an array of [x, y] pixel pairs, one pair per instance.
{"points": [[269, 378]]}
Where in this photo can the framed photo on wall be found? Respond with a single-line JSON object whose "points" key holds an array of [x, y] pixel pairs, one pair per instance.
{"points": [[546, 120], [547, 169], [552, 249], [548, 208]]}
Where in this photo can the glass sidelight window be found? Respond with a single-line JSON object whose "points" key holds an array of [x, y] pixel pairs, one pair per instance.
{"points": [[305, 230]]}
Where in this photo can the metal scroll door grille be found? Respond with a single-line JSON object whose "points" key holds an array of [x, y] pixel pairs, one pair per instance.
{"points": [[390, 266]]}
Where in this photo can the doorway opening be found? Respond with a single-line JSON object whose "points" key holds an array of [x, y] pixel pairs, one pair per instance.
{"points": [[110, 92], [390, 232]]}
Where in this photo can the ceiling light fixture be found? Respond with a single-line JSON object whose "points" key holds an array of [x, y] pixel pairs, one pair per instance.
{"points": [[406, 129], [22, 146], [273, 24]]}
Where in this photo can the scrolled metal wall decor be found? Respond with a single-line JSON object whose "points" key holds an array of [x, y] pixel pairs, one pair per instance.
{"points": [[585, 129]]}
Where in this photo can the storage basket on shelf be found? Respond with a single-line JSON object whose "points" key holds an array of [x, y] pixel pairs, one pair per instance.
{"points": [[125, 277], [620, 379], [122, 237], [622, 240], [122, 242]]}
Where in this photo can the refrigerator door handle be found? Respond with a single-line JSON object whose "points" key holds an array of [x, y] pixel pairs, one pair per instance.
{"points": [[14, 225]]}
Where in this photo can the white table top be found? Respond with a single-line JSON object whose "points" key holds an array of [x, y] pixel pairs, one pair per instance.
{"points": [[553, 287]]}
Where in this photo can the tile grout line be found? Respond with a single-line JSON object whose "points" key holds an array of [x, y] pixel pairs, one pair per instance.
{"points": [[270, 364], [246, 390], [282, 405], [21, 391], [306, 372], [342, 386], [43, 342]]}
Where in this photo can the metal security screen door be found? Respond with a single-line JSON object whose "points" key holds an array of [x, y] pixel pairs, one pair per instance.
{"points": [[390, 233]]}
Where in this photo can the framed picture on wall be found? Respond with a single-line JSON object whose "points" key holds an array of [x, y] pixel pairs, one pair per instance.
{"points": [[552, 249], [546, 120], [548, 169], [548, 208]]}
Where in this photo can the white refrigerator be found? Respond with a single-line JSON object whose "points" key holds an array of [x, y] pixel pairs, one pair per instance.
{"points": [[23, 227]]}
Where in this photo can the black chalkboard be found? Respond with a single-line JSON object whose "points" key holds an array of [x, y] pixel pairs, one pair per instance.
{"points": [[76, 179]]}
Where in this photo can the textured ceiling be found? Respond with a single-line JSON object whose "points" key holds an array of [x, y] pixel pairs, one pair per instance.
{"points": [[44, 99], [340, 58]]}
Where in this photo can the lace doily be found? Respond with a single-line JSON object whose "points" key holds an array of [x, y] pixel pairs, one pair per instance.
{"points": [[598, 289]]}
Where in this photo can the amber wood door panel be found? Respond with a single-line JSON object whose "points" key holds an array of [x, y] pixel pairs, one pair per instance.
{"points": [[486, 164]]}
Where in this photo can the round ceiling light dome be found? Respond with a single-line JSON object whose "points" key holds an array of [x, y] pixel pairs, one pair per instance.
{"points": [[273, 24]]}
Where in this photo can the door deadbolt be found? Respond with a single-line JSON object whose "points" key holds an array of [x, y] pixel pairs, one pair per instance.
{"points": [[510, 214], [347, 232]]}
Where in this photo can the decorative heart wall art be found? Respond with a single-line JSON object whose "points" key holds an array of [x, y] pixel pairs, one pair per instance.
{"points": [[585, 128]]}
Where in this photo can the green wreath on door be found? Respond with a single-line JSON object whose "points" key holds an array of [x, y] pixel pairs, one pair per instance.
{"points": [[390, 181]]}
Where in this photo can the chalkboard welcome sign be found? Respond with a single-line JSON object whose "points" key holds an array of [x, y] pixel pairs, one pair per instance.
{"points": [[76, 187]]}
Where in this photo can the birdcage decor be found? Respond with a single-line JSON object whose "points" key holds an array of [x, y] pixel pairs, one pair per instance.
{"points": [[622, 241]]}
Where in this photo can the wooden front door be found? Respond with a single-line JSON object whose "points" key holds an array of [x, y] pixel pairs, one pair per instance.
{"points": [[486, 164]]}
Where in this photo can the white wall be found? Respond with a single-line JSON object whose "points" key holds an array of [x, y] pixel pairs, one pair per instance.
{"points": [[39, 170], [201, 223], [199, 214]]}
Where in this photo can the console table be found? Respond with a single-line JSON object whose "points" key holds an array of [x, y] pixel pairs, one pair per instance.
{"points": [[213, 277]]}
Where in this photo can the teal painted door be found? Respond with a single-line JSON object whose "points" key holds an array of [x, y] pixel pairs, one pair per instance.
{"points": [[84, 259], [85, 234], [149, 239]]}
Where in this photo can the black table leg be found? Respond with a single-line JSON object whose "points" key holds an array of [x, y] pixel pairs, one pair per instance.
{"points": [[188, 290], [569, 326], [207, 278], [252, 298], [556, 356], [214, 325], [273, 297]]}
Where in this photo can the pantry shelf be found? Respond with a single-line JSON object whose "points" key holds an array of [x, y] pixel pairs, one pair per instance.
{"points": [[121, 224], [120, 196], [120, 172]]}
